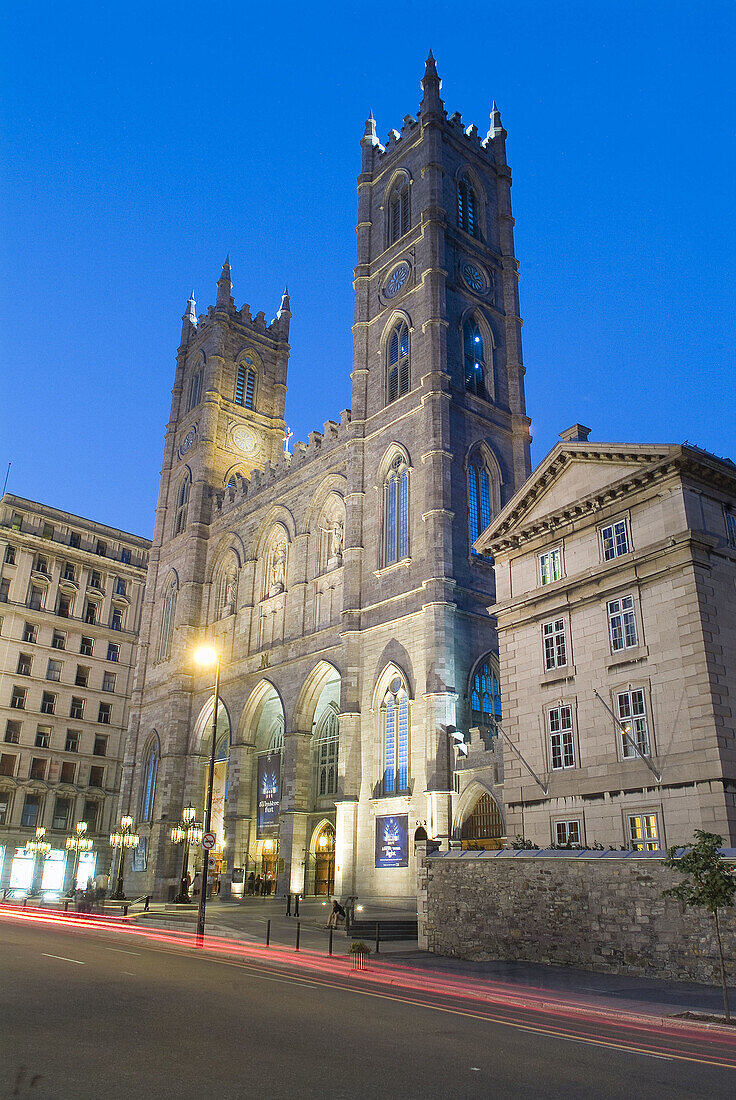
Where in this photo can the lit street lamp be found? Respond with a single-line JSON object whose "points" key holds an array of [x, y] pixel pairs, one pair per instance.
{"points": [[78, 843], [207, 656], [123, 838], [186, 832], [38, 847]]}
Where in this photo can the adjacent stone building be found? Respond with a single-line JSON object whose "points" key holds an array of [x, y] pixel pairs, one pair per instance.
{"points": [[616, 611], [339, 584], [71, 593]]}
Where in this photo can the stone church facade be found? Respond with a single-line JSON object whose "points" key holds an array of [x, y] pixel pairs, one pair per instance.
{"points": [[339, 583]]}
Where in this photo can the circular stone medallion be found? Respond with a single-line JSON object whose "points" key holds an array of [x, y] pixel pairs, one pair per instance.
{"points": [[188, 441], [474, 277], [245, 440], [396, 280]]}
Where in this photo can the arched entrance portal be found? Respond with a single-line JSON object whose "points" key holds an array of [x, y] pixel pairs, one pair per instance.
{"points": [[323, 851], [483, 827]]}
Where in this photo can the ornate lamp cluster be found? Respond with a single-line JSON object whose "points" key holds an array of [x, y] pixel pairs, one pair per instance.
{"points": [[186, 832], [123, 838], [38, 846], [79, 842]]}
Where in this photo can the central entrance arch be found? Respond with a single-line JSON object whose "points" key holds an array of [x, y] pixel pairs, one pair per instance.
{"points": [[323, 859]]}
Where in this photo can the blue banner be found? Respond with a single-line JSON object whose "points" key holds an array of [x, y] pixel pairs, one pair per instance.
{"points": [[392, 841], [269, 793]]}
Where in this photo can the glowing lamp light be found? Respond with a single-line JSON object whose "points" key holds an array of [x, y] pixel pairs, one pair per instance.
{"points": [[39, 846], [206, 656], [268, 846], [323, 842]]}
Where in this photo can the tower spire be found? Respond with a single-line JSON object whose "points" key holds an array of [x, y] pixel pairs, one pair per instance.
{"points": [[431, 84], [225, 286], [189, 320]]}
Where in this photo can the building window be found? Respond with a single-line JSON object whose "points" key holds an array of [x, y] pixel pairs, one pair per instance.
{"points": [[245, 386], [58, 640], [76, 709], [326, 748], [47, 531], [9, 554], [485, 697], [632, 714], [72, 741], [166, 629], [731, 528], [644, 832], [398, 212], [195, 389], [396, 512], [614, 540], [120, 586], [7, 764], [75, 539], [86, 646], [31, 812], [550, 566], [100, 746], [474, 359], [95, 580], [395, 722], [479, 501], [24, 664], [466, 207], [555, 644], [101, 548], [91, 813], [567, 832], [64, 606], [30, 633], [43, 737], [4, 807], [62, 809], [562, 748], [5, 591], [90, 613], [104, 714], [113, 651], [18, 698], [38, 768], [82, 676], [125, 556], [622, 624], [48, 702], [117, 619], [398, 363], [182, 502], [96, 777], [53, 671], [17, 521], [36, 597], [69, 573], [148, 789], [41, 565], [108, 681], [12, 732], [68, 772]]}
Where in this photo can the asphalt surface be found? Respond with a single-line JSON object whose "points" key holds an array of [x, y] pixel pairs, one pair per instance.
{"points": [[87, 1013]]}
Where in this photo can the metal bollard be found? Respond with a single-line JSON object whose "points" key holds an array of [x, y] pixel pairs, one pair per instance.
{"points": [[268, 933], [330, 940], [288, 905], [298, 933], [296, 905], [147, 903], [378, 937]]}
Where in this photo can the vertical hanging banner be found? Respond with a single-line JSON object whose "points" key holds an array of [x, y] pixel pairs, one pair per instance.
{"points": [[269, 793], [392, 841]]}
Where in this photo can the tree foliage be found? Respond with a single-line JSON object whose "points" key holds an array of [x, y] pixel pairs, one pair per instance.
{"points": [[710, 883]]}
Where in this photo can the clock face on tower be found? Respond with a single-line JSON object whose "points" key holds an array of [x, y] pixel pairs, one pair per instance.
{"points": [[245, 440]]}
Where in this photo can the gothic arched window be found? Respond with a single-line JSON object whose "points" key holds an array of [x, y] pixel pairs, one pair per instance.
{"points": [[166, 630], [397, 381], [466, 207], [195, 389], [326, 748], [398, 212], [485, 696], [182, 503], [396, 512], [245, 386], [148, 788], [484, 492], [474, 359], [395, 737]]}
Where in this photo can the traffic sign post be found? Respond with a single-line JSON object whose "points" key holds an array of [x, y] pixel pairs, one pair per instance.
{"points": [[208, 841]]}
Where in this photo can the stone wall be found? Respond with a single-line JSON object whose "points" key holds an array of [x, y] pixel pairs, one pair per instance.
{"points": [[597, 912]]}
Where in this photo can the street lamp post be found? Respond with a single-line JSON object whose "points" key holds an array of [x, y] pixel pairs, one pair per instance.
{"points": [[123, 838], [186, 832], [207, 656], [38, 847], [77, 843]]}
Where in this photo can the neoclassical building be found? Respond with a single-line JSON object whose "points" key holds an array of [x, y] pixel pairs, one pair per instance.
{"points": [[339, 583]]}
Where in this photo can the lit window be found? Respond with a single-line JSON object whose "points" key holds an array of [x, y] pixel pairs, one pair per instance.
{"points": [[398, 363], [396, 512], [632, 713], [474, 359], [550, 566], [614, 540], [485, 698], [480, 507], [326, 748], [555, 644], [622, 624], [644, 832], [182, 501], [567, 832], [398, 212], [562, 748], [395, 721]]}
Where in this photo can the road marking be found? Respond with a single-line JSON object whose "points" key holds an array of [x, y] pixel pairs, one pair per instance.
{"points": [[62, 958], [129, 973], [122, 951]]}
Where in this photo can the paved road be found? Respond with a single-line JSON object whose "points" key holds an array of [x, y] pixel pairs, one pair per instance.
{"points": [[87, 1013]]}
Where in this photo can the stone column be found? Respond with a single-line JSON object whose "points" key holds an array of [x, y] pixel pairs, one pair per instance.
{"points": [[345, 846]]}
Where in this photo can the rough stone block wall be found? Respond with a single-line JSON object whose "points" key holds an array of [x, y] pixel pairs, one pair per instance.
{"points": [[600, 914]]}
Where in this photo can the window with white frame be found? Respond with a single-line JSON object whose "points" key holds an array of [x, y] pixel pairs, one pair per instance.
{"points": [[622, 624], [632, 714], [555, 644], [395, 724], [396, 512], [561, 744], [731, 528], [550, 566], [568, 832], [644, 832], [614, 540]]}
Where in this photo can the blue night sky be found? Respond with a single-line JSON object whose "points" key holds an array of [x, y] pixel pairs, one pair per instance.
{"points": [[143, 142]]}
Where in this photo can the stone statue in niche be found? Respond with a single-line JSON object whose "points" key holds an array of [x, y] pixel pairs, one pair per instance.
{"points": [[278, 569], [334, 556], [228, 600]]}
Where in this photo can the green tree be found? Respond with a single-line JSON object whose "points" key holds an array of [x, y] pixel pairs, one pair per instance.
{"points": [[709, 884]]}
